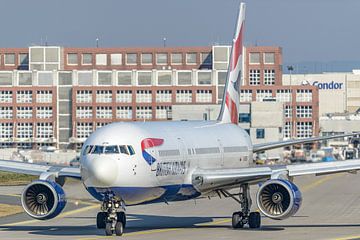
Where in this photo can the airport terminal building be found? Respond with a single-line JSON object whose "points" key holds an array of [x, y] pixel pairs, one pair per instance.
{"points": [[57, 96]]}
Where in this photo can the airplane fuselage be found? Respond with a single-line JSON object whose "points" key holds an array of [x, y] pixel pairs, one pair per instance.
{"points": [[142, 162]]}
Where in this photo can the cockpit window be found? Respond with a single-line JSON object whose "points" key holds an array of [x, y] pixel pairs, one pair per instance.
{"points": [[98, 149], [123, 149], [111, 149], [131, 150], [87, 149]]}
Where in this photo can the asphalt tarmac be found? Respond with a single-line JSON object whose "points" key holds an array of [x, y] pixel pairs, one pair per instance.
{"points": [[330, 210]]}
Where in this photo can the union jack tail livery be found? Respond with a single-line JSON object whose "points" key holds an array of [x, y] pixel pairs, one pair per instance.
{"points": [[230, 106]]}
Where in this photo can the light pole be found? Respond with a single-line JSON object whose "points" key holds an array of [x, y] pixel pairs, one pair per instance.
{"points": [[290, 69]]}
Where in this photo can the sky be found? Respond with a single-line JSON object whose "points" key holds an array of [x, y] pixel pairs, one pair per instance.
{"points": [[307, 30]]}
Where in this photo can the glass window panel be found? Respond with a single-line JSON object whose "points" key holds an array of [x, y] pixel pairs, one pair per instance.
{"points": [[45, 78], [206, 58], [85, 78], [9, 59], [146, 58], [269, 58], [124, 78], [65, 78], [101, 59], [72, 59], [104, 78], [23, 59], [222, 78], [87, 59], [255, 58], [116, 59], [184, 78], [204, 78], [161, 58], [176, 58], [52, 54], [131, 58], [144, 78], [25, 78], [191, 58], [164, 78], [37, 54]]}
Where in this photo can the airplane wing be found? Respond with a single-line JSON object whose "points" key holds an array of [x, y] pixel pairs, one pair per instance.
{"points": [[38, 169], [271, 145], [209, 179]]}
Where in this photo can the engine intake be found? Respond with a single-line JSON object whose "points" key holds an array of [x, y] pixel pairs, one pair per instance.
{"points": [[279, 199], [43, 199]]}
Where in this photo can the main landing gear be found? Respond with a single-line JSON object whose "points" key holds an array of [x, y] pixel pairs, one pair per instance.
{"points": [[243, 217], [112, 217]]}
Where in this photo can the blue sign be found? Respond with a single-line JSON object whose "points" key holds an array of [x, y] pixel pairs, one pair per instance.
{"points": [[330, 85]]}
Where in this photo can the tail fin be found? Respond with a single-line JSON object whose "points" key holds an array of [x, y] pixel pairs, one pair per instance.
{"points": [[231, 100]]}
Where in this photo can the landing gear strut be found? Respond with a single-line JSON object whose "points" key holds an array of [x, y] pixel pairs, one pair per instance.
{"points": [[243, 217], [112, 217]]}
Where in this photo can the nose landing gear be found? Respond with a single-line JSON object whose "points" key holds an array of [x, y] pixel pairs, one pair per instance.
{"points": [[112, 217]]}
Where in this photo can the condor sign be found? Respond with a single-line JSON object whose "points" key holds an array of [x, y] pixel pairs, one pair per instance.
{"points": [[329, 85]]}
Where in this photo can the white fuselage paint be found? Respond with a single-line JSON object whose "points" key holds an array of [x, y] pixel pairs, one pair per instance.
{"points": [[187, 146]]}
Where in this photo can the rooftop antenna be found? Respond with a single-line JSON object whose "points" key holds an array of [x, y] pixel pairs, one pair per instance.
{"points": [[164, 41], [97, 42]]}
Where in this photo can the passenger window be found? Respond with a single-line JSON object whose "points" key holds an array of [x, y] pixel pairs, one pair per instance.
{"points": [[98, 150], [111, 149], [131, 150], [123, 149]]}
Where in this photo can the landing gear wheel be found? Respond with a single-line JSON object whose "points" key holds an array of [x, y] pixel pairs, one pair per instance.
{"points": [[108, 229], [121, 217], [254, 220], [119, 228], [101, 220], [237, 218]]}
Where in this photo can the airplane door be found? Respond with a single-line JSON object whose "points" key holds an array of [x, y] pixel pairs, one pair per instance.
{"points": [[183, 152], [221, 147]]}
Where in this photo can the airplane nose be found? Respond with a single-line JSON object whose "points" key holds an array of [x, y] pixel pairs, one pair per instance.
{"points": [[102, 171]]}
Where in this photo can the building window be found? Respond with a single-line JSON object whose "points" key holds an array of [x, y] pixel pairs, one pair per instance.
{"points": [[83, 130], [101, 59], [124, 78], [245, 95], [204, 78], [24, 96], [206, 59], [263, 94], [304, 111], [269, 76], [44, 96], [23, 59], [304, 95], [44, 112], [86, 59], [72, 59], [254, 58], [104, 78], [44, 130], [244, 118], [116, 58], [183, 96], [161, 58], [9, 59], [101, 124], [84, 112], [131, 58], [84, 96], [288, 111], [221, 78], [164, 77], [24, 112], [6, 97], [144, 78], [191, 58], [304, 129], [204, 96], [144, 112], [6, 130], [85, 78], [24, 130], [269, 58], [124, 112], [146, 58], [103, 112], [163, 112], [254, 77], [164, 96], [283, 95], [184, 78], [6, 112], [260, 133], [143, 96], [287, 130], [176, 58], [103, 96], [124, 96]]}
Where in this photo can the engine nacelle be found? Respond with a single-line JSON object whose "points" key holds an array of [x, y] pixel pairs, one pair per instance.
{"points": [[279, 199], [43, 200]]}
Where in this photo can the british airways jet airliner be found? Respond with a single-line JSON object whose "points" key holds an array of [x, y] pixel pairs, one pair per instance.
{"points": [[128, 163]]}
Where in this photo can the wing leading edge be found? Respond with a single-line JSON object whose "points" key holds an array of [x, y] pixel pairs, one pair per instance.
{"points": [[210, 180], [272, 145], [38, 170]]}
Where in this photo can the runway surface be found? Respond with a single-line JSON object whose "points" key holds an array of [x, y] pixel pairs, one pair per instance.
{"points": [[330, 210]]}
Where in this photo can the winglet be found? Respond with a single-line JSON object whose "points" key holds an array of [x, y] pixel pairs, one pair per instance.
{"points": [[231, 101]]}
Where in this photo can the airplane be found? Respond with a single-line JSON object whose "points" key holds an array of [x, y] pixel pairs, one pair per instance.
{"points": [[130, 163]]}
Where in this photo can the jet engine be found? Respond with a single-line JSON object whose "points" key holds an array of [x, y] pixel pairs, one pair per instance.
{"points": [[279, 199], [43, 200]]}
